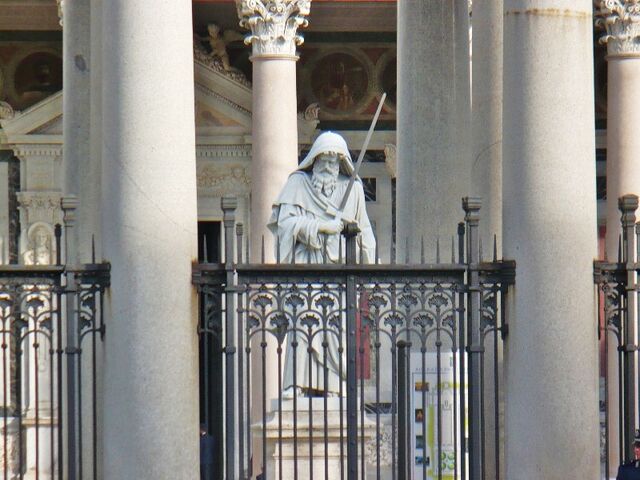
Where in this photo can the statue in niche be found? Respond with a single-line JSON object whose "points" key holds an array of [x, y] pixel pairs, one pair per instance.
{"points": [[307, 226], [218, 42], [40, 251]]}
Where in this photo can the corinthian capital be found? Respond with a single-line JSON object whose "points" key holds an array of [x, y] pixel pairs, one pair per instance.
{"points": [[274, 25], [621, 19]]}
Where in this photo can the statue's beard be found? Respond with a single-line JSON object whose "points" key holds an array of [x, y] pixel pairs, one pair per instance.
{"points": [[324, 182]]}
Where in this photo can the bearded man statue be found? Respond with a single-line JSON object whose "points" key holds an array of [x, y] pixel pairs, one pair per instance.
{"points": [[307, 227]]}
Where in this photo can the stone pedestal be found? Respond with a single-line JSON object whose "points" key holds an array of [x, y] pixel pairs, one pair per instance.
{"points": [[309, 457], [549, 229]]}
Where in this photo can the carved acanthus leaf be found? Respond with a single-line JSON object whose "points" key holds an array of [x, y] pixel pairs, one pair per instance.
{"points": [[274, 24], [621, 19], [390, 159], [60, 7]]}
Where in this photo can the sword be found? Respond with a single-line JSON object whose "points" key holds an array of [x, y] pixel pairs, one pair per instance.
{"points": [[352, 180], [356, 169]]}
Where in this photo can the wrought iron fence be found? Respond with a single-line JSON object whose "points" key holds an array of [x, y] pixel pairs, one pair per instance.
{"points": [[355, 371], [51, 325], [618, 324]]}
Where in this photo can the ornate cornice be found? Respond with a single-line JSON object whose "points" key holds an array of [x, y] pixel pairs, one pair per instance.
{"points": [[621, 19], [274, 25]]}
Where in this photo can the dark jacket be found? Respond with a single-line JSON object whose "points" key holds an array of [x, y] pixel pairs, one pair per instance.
{"points": [[628, 471]]}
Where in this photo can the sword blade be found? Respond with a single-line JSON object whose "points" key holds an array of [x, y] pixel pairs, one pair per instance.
{"points": [[356, 170]]}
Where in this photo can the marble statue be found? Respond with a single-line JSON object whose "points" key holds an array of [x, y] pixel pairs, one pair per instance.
{"points": [[307, 226], [218, 41]]}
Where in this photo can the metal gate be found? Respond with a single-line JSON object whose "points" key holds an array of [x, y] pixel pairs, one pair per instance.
{"points": [[417, 347], [51, 327]]}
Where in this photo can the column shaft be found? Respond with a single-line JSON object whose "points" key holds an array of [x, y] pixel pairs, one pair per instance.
{"points": [[433, 167], [623, 141], [486, 172], [150, 225], [76, 126], [549, 215]]}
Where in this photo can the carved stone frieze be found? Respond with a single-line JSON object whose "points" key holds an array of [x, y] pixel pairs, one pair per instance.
{"points": [[39, 207], [224, 179], [274, 25], [621, 19]]}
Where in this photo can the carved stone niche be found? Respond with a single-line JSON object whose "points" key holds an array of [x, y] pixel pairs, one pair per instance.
{"points": [[39, 212]]}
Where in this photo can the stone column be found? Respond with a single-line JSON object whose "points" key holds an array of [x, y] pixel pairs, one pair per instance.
{"points": [[486, 178], [549, 229], [274, 36], [621, 19], [149, 236], [486, 172], [79, 171], [432, 121]]}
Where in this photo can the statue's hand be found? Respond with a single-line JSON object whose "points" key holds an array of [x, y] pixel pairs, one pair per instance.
{"points": [[331, 227]]}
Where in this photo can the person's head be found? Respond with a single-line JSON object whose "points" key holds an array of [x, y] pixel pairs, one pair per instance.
{"points": [[328, 157], [636, 448], [213, 29]]}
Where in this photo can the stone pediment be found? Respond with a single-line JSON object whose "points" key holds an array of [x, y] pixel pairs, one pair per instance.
{"points": [[223, 102]]}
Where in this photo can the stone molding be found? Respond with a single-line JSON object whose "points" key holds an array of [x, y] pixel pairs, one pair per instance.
{"points": [[391, 159], [621, 19], [224, 151], [36, 150], [274, 25], [211, 93], [224, 179]]}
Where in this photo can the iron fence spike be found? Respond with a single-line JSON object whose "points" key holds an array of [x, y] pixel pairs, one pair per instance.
{"points": [[495, 247], [422, 249], [453, 250], [262, 257], [406, 250], [438, 249], [93, 248], [205, 254]]}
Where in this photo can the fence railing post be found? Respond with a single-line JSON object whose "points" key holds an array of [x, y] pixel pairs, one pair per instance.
{"points": [[628, 205], [475, 346], [69, 206], [404, 415], [229, 205], [350, 233]]}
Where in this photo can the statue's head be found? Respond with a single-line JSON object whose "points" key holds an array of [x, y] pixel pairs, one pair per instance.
{"points": [[213, 29], [332, 144]]}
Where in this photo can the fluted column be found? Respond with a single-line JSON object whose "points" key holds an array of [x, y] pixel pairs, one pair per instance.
{"points": [[549, 229], [150, 238], [433, 121]]}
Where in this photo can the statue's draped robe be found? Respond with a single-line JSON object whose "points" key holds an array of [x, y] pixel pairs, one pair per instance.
{"points": [[294, 221]]}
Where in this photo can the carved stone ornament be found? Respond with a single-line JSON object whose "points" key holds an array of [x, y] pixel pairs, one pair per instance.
{"points": [[40, 207], [391, 159], [216, 64], [621, 19], [60, 7], [224, 179], [274, 25], [6, 111]]}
